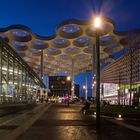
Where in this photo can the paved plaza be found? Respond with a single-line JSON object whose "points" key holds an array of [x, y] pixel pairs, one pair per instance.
{"points": [[61, 122]]}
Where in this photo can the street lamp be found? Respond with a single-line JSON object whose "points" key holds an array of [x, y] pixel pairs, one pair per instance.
{"points": [[92, 85], [84, 88], [97, 25], [68, 79]]}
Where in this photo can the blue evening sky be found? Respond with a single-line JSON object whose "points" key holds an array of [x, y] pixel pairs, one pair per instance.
{"points": [[43, 16]]}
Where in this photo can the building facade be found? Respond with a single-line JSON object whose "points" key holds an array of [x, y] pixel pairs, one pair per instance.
{"points": [[125, 72], [77, 90], [59, 86], [18, 82]]}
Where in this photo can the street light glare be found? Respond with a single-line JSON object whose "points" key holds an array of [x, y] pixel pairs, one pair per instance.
{"points": [[68, 78], [118, 87], [97, 22], [84, 87]]}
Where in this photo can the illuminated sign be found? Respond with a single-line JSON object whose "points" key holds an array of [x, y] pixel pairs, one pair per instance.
{"points": [[110, 89]]}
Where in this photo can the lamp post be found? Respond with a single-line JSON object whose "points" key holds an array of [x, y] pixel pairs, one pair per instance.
{"points": [[97, 25], [118, 88], [68, 79]]}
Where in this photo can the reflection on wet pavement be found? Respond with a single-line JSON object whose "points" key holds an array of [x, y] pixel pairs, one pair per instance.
{"points": [[62, 123]]}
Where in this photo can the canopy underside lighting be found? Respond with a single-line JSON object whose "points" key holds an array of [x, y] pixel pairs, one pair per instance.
{"points": [[74, 41]]}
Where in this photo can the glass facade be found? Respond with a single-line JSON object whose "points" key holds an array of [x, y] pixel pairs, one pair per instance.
{"points": [[125, 94], [18, 82]]}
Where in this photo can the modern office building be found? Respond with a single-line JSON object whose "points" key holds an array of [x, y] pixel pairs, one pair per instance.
{"points": [[18, 82], [76, 90], [125, 72], [59, 86]]}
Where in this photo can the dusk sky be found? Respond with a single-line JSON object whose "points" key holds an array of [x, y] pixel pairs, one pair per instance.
{"points": [[43, 16]]}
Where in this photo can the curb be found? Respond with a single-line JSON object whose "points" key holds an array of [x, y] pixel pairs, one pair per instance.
{"points": [[21, 129]]}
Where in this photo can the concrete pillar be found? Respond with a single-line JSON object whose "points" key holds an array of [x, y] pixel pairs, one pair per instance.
{"points": [[86, 84], [72, 79], [41, 65]]}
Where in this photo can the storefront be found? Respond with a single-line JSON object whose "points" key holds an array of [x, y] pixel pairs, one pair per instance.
{"points": [[125, 94]]}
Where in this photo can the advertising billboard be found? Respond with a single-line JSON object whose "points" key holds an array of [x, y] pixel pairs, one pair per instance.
{"points": [[110, 89]]}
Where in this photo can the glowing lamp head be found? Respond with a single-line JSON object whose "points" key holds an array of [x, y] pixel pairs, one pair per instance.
{"points": [[118, 87], [97, 22], [119, 116], [84, 87], [68, 78]]}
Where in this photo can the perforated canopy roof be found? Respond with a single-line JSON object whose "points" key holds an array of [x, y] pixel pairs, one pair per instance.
{"points": [[74, 39]]}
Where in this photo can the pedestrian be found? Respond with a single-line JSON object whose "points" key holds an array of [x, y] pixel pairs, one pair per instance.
{"points": [[86, 106]]}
